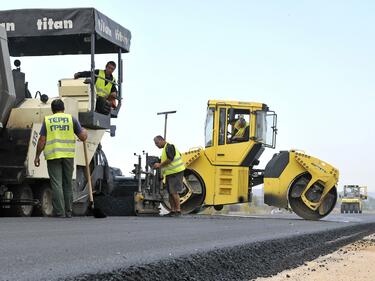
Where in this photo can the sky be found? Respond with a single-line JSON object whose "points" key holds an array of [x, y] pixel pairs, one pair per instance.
{"points": [[312, 62]]}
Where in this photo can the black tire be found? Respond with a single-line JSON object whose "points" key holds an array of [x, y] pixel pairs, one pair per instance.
{"points": [[44, 194], [198, 210], [81, 207], [22, 191]]}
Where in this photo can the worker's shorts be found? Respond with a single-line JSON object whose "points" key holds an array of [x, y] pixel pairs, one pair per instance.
{"points": [[174, 183]]}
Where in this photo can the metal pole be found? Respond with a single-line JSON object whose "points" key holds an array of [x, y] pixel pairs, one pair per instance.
{"points": [[119, 74], [165, 120], [165, 126], [92, 88], [139, 173]]}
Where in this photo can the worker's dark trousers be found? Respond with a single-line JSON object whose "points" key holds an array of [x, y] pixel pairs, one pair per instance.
{"points": [[60, 172]]}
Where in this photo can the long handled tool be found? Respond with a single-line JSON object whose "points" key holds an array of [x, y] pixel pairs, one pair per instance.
{"points": [[95, 211]]}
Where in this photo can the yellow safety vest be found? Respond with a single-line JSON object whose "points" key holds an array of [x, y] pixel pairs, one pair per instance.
{"points": [[176, 166], [237, 124], [60, 142], [102, 89], [241, 131]]}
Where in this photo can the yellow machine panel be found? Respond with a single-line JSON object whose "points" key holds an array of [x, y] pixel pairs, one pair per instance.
{"points": [[231, 185]]}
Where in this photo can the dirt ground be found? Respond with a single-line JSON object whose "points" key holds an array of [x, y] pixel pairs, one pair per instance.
{"points": [[353, 262]]}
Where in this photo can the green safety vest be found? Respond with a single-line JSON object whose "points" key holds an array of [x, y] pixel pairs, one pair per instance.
{"points": [[176, 166], [60, 142], [241, 131], [102, 89]]}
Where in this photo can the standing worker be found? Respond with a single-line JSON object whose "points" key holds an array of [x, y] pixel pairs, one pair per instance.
{"points": [[58, 142], [172, 168], [106, 92]]}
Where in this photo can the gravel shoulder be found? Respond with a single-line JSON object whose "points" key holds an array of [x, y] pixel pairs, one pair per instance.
{"points": [[352, 262], [245, 262]]}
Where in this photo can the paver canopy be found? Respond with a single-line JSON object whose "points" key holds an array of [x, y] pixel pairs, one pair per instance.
{"points": [[42, 32]]}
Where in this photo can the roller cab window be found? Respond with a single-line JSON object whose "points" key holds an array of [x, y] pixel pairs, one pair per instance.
{"points": [[209, 127], [238, 125], [266, 128]]}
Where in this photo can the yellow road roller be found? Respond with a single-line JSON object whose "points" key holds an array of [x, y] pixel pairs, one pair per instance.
{"points": [[352, 199], [224, 171]]}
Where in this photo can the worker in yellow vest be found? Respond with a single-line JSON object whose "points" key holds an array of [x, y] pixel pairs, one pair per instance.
{"points": [[172, 168], [241, 131], [57, 139], [106, 92]]}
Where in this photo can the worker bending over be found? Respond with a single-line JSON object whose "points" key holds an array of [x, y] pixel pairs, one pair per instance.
{"points": [[172, 168]]}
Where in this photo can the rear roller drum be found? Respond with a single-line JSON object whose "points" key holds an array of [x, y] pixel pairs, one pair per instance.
{"points": [[313, 194]]}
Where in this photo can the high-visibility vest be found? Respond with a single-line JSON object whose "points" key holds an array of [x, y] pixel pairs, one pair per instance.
{"points": [[241, 131], [176, 166], [102, 89], [237, 124], [60, 142]]}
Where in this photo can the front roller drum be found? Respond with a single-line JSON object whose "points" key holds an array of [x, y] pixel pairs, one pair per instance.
{"points": [[192, 195], [313, 194]]}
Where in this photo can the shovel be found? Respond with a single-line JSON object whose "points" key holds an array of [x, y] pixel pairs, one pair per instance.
{"points": [[98, 213]]}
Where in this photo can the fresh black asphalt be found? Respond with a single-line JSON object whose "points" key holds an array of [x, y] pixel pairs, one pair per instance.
{"points": [[157, 248]]}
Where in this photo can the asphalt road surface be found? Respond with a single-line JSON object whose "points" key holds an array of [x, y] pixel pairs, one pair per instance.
{"points": [[83, 248]]}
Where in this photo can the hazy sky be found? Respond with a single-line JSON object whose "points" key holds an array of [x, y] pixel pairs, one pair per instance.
{"points": [[312, 62]]}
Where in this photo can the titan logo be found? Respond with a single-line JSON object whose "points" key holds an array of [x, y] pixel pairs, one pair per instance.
{"points": [[103, 27], [50, 24], [9, 26]]}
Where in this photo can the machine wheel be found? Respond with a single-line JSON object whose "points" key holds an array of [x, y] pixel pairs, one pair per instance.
{"points": [[218, 207], [22, 191], [194, 193], [198, 210], [299, 207], [44, 195], [80, 208]]}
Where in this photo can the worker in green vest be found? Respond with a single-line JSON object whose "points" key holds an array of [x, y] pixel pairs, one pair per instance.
{"points": [[172, 168], [106, 92], [241, 131], [57, 139]]}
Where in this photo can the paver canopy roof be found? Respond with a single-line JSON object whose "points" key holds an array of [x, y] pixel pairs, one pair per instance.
{"points": [[40, 32]]}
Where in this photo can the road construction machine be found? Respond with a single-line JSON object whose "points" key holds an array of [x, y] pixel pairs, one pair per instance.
{"points": [[24, 188], [222, 172], [352, 198]]}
